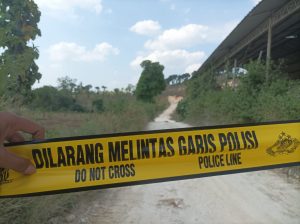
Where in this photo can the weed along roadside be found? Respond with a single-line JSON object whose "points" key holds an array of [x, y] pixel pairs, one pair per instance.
{"points": [[150, 112], [169, 197], [120, 112], [210, 100], [164, 121], [172, 202]]}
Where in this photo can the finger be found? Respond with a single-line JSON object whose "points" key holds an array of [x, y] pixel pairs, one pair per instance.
{"points": [[15, 137], [14, 162], [25, 125]]}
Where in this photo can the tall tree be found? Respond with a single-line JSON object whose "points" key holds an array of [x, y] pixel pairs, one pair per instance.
{"points": [[104, 88], [130, 88], [98, 89], [172, 79], [151, 82], [18, 27], [184, 77], [67, 83]]}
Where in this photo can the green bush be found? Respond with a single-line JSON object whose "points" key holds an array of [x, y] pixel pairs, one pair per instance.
{"points": [[151, 83], [252, 100], [120, 112], [98, 105], [49, 98]]}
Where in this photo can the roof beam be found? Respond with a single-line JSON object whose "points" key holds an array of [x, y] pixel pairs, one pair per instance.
{"points": [[276, 17]]}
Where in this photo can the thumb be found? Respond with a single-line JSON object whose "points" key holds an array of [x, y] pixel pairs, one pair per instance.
{"points": [[16, 163]]}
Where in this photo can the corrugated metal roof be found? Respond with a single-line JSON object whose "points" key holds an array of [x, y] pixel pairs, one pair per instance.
{"points": [[255, 17]]}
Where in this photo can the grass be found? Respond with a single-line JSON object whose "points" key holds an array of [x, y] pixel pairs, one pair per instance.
{"points": [[209, 100], [40, 209], [133, 116]]}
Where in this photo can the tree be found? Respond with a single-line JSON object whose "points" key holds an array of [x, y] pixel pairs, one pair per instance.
{"points": [[18, 26], [117, 90], [88, 88], [172, 79], [98, 105], [184, 77], [51, 99], [130, 88], [66, 83], [151, 82], [79, 89], [104, 88], [97, 89]]}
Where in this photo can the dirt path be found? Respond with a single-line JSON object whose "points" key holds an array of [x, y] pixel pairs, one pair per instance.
{"points": [[163, 121], [256, 197]]}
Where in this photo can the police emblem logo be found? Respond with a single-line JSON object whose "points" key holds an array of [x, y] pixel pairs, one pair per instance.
{"points": [[284, 145]]}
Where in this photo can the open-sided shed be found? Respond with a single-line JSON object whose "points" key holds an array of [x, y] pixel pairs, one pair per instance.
{"points": [[271, 30]]}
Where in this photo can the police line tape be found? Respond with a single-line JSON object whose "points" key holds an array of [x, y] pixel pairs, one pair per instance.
{"points": [[123, 159]]}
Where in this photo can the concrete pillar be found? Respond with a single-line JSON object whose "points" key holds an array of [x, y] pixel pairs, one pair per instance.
{"points": [[269, 46], [235, 70]]}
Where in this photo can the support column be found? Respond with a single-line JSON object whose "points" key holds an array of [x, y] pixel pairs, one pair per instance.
{"points": [[269, 45], [227, 67], [234, 73], [259, 56]]}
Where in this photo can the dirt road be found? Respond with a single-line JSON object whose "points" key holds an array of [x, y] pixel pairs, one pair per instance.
{"points": [[256, 197]]}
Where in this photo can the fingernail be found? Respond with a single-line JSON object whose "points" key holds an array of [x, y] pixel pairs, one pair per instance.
{"points": [[30, 170]]}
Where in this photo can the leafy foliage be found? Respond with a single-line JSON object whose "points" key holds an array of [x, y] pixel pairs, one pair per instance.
{"points": [[49, 98], [151, 82], [73, 97], [208, 102], [177, 79], [18, 26], [98, 105]]}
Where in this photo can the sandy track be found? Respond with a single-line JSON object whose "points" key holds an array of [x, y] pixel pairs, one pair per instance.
{"points": [[256, 197]]}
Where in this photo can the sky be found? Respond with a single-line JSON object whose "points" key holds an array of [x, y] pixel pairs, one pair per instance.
{"points": [[103, 42]]}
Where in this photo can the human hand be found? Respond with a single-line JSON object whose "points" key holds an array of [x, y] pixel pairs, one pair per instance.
{"points": [[10, 127]]}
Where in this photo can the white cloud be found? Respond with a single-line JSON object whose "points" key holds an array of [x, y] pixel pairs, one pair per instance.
{"points": [[108, 11], [187, 10], [173, 7], [255, 2], [189, 36], [191, 68], [70, 5], [173, 47], [68, 51], [175, 61], [146, 27]]}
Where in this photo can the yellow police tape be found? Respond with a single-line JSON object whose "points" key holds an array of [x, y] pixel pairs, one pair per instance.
{"points": [[94, 162]]}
